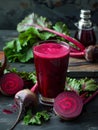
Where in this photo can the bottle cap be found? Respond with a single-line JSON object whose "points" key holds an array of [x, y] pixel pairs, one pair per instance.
{"points": [[85, 22], [85, 13]]}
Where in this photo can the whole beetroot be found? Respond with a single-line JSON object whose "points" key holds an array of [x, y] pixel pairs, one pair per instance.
{"points": [[25, 99], [91, 53]]}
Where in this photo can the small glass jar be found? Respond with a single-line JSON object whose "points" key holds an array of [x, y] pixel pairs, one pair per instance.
{"points": [[85, 30]]}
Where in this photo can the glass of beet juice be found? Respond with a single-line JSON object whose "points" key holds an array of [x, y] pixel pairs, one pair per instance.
{"points": [[51, 62]]}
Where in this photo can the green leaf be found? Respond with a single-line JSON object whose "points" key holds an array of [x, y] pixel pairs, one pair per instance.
{"points": [[30, 35], [90, 85], [12, 47], [9, 45], [81, 85], [17, 46], [61, 27], [12, 50], [46, 35], [27, 117], [73, 84], [32, 77], [37, 119], [31, 20], [13, 57], [45, 115], [26, 55], [43, 21]]}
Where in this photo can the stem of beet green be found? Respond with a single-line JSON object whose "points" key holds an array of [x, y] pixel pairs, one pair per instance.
{"points": [[66, 37], [72, 49], [34, 89], [77, 54], [91, 97], [83, 96]]}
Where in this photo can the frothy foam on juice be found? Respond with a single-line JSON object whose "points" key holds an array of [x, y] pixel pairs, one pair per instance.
{"points": [[51, 50]]}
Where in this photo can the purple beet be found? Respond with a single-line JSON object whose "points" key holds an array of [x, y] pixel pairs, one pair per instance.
{"points": [[11, 83], [24, 99], [91, 53], [68, 105]]}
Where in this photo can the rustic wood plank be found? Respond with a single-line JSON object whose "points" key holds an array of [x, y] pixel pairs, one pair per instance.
{"points": [[82, 68], [82, 65]]}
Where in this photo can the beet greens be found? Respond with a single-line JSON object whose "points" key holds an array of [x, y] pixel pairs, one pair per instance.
{"points": [[33, 29], [36, 119], [81, 85], [20, 48], [76, 48]]}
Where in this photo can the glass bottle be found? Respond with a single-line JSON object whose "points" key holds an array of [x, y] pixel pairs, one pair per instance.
{"points": [[85, 31]]}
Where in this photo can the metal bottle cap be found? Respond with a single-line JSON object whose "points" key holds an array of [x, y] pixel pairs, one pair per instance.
{"points": [[85, 14], [85, 22]]}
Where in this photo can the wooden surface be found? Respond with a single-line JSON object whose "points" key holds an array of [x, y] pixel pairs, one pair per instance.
{"points": [[82, 68], [82, 65]]}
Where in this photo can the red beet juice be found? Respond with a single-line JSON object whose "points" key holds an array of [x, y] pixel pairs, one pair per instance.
{"points": [[86, 37], [51, 63]]}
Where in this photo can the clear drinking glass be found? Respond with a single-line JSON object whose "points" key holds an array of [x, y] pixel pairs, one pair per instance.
{"points": [[51, 62]]}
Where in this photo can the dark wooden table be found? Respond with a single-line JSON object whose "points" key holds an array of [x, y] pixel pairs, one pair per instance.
{"points": [[88, 120]]}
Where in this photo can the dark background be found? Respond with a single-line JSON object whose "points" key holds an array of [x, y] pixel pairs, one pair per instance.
{"points": [[13, 11]]}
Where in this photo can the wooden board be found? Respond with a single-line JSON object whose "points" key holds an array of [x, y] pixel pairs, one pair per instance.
{"points": [[2, 62], [81, 68]]}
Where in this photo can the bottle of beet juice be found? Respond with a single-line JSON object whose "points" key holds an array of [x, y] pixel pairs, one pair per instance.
{"points": [[85, 30]]}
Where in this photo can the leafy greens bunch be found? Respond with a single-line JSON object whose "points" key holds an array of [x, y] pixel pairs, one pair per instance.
{"points": [[20, 48], [81, 85]]}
